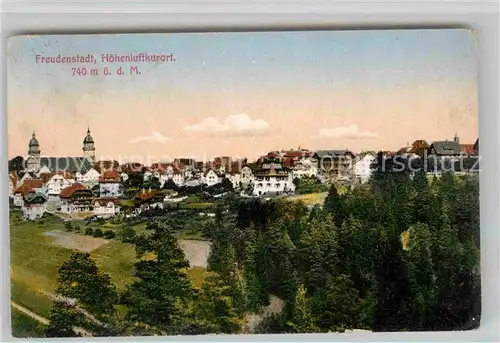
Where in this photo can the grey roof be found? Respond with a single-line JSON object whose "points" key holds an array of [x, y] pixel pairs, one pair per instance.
{"points": [[88, 138], [33, 140], [33, 196], [332, 153], [271, 166], [445, 148], [70, 164]]}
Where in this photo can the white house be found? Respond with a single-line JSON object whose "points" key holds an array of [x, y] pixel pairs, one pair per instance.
{"points": [[110, 184], [34, 206], [272, 178], [210, 178], [305, 167], [28, 186], [91, 177], [175, 173], [106, 207], [362, 166], [235, 179], [57, 183], [246, 175]]}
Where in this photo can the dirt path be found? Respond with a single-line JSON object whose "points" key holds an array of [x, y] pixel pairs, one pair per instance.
{"points": [[44, 320], [30, 314]]}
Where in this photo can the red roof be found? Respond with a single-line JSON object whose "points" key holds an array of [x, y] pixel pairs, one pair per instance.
{"points": [[296, 153], [418, 146], [110, 176], [24, 189], [468, 149], [69, 191], [144, 195], [274, 154], [46, 176], [287, 162], [29, 186], [65, 174], [33, 183]]}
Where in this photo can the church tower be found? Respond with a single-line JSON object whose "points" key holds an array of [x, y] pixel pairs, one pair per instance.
{"points": [[33, 160], [89, 147]]}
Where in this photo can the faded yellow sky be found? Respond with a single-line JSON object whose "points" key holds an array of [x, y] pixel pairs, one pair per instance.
{"points": [[157, 115]]}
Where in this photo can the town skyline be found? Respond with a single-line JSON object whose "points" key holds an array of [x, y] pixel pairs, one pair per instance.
{"points": [[148, 158], [242, 94]]}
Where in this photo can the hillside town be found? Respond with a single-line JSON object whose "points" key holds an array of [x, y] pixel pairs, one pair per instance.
{"points": [[88, 187]]}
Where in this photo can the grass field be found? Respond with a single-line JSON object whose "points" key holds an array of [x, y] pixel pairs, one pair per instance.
{"points": [[310, 199], [24, 326], [35, 262]]}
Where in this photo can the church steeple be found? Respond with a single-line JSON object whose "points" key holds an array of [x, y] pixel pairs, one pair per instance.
{"points": [[89, 147], [34, 146], [33, 160]]}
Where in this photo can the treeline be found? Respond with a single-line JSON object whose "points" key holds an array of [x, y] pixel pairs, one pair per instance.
{"points": [[400, 253]]}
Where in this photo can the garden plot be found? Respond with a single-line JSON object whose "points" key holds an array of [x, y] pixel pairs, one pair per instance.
{"points": [[74, 241]]}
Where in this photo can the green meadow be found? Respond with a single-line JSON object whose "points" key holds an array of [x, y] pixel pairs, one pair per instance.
{"points": [[35, 261]]}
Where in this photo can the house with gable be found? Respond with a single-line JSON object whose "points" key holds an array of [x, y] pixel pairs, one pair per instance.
{"points": [[272, 179], [28, 186], [90, 178], [334, 163], [420, 147], [211, 177], [110, 184], [446, 150], [305, 167], [25, 176], [57, 182], [34, 206], [76, 198], [106, 207]]}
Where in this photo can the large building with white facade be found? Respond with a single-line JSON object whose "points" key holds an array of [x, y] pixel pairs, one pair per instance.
{"points": [[271, 178]]}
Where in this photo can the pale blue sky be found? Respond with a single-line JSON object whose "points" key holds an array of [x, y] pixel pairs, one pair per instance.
{"points": [[332, 59], [304, 85]]}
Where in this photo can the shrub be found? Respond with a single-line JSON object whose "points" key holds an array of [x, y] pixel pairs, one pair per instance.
{"points": [[98, 233], [68, 226], [109, 234], [89, 231], [127, 234]]}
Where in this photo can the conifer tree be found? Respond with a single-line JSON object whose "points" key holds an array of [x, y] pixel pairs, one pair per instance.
{"points": [[63, 318], [421, 277], [161, 285], [79, 278], [334, 204], [302, 320]]}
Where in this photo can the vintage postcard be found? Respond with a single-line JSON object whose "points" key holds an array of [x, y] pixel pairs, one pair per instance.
{"points": [[243, 183]]}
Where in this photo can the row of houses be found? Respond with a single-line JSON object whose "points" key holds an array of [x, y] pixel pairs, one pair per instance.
{"points": [[98, 187]]}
